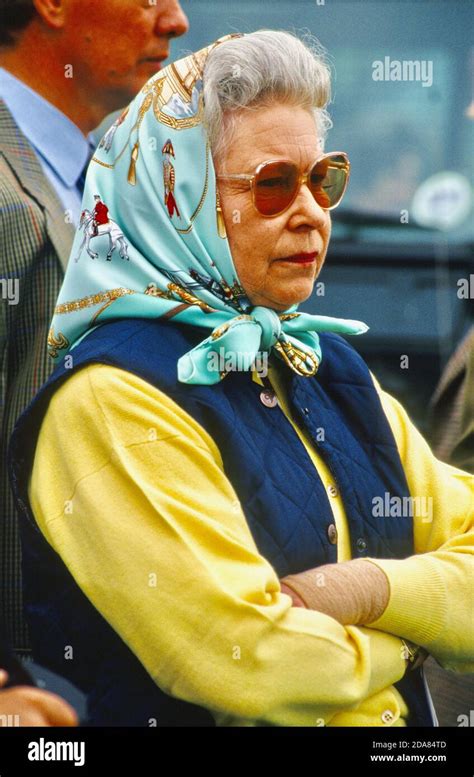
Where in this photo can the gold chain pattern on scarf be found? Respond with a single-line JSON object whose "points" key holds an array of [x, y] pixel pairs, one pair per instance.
{"points": [[92, 299]]}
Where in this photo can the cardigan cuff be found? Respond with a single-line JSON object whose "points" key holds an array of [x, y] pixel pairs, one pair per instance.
{"points": [[417, 608]]}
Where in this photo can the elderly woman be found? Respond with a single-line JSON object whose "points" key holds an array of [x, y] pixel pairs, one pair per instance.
{"points": [[225, 519]]}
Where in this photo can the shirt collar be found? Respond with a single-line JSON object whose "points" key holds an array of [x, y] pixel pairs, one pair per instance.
{"points": [[51, 133]]}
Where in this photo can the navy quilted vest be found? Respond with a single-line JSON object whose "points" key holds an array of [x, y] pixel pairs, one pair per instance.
{"points": [[283, 498]]}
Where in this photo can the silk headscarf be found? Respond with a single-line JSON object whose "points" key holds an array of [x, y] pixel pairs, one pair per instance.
{"points": [[151, 241]]}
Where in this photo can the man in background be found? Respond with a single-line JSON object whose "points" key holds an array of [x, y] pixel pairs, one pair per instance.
{"points": [[452, 408], [452, 440], [64, 66]]}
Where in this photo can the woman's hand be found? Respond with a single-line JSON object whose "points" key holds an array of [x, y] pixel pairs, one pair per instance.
{"points": [[297, 600], [352, 592], [27, 706]]}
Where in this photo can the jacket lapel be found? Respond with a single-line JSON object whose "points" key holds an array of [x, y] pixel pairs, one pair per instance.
{"points": [[21, 158]]}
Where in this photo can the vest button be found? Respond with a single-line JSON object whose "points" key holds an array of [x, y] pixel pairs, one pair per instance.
{"points": [[332, 491], [268, 398], [387, 716], [305, 410], [332, 534], [361, 545]]}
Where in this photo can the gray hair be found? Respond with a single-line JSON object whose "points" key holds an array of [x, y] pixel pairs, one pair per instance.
{"points": [[261, 69]]}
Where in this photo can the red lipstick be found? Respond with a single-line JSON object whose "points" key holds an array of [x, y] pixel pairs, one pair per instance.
{"points": [[300, 258]]}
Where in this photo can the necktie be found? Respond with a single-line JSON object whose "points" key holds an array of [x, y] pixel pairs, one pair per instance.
{"points": [[82, 178]]}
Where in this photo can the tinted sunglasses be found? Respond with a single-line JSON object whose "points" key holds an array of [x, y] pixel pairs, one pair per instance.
{"points": [[276, 183]]}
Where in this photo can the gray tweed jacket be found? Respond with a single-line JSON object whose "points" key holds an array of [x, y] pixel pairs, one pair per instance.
{"points": [[35, 242]]}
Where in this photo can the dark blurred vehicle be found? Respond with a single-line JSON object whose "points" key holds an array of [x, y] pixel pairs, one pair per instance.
{"points": [[402, 280]]}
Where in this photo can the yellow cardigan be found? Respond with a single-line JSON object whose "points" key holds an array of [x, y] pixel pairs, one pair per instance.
{"points": [[131, 492]]}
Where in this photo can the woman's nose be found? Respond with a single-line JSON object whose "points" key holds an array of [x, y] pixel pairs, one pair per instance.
{"points": [[307, 212], [171, 21]]}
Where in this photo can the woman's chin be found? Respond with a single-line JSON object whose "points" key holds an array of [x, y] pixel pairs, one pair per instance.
{"points": [[287, 299]]}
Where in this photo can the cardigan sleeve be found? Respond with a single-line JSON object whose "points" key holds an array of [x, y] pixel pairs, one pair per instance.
{"points": [[432, 592], [132, 494]]}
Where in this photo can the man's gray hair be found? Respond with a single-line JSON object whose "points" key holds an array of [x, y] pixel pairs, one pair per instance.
{"points": [[263, 68]]}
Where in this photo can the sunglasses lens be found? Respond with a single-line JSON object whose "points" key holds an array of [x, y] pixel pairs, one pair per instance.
{"points": [[276, 184], [328, 180], [275, 187]]}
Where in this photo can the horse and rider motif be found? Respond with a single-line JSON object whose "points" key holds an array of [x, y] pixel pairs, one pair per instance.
{"points": [[97, 223]]}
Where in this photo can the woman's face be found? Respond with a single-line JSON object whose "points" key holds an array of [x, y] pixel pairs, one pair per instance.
{"points": [[261, 246]]}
